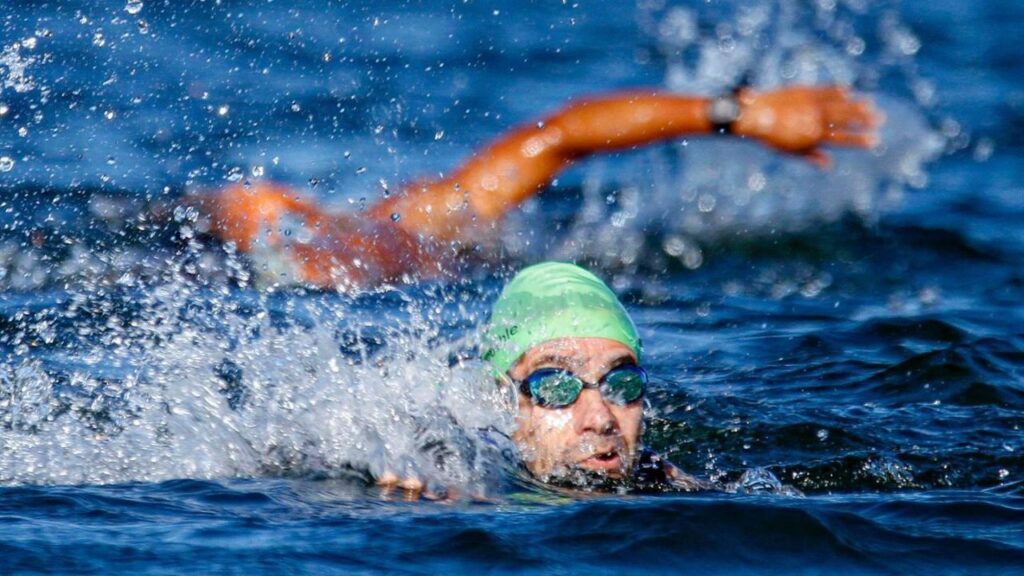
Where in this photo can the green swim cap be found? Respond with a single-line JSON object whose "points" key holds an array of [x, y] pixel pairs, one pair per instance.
{"points": [[549, 301]]}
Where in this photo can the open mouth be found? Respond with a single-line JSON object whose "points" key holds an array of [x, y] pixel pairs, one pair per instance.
{"points": [[606, 461]]}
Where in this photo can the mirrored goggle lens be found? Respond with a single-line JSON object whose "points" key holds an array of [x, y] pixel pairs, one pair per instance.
{"points": [[554, 387], [624, 384]]}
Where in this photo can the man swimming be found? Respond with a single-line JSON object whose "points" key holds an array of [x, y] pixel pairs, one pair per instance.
{"points": [[562, 343], [410, 235], [558, 339]]}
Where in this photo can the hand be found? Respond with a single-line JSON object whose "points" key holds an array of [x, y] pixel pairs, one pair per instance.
{"points": [[412, 487], [799, 119]]}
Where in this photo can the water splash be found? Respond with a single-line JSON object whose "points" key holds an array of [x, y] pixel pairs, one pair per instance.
{"points": [[668, 204], [121, 380], [14, 67]]}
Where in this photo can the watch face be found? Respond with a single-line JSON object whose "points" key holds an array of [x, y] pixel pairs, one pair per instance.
{"points": [[724, 110]]}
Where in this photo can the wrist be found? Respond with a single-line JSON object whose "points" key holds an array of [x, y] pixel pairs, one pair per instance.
{"points": [[723, 113]]}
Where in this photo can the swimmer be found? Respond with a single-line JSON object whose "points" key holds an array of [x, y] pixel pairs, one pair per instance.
{"points": [[562, 344], [409, 235], [566, 354], [559, 340]]}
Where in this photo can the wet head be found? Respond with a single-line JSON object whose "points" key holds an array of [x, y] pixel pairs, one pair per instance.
{"points": [[596, 435], [560, 338]]}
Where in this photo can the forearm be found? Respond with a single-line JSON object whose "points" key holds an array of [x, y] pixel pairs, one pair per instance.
{"points": [[519, 164], [626, 120]]}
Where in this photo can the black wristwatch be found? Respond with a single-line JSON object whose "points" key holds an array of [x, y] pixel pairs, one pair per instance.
{"points": [[723, 112]]}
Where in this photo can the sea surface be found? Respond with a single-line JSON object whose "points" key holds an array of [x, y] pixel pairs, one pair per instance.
{"points": [[168, 406]]}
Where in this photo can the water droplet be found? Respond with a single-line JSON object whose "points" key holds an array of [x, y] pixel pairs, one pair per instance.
{"points": [[4, 109], [314, 182], [395, 216], [182, 214], [143, 27], [257, 171], [347, 154], [223, 110], [234, 174], [110, 114], [6, 163], [674, 246], [540, 124], [361, 170], [99, 40], [757, 181], [29, 43], [983, 149], [133, 6], [822, 434], [439, 134], [23, 131], [855, 46], [296, 107], [706, 203]]}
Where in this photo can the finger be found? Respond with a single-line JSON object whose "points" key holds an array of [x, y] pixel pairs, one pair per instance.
{"points": [[860, 114], [833, 94], [387, 479], [852, 139], [440, 496], [411, 484], [818, 158], [865, 113]]}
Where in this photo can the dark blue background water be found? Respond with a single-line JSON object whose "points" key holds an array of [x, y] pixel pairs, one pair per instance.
{"points": [[857, 333]]}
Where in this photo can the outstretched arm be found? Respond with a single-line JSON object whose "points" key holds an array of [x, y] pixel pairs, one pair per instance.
{"points": [[521, 163], [516, 166]]}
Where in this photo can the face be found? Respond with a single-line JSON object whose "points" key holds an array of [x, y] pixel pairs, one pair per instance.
{"points": [[591, 436]]}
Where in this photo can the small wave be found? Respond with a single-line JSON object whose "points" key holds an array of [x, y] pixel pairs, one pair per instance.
{"points": [[966, 374]]}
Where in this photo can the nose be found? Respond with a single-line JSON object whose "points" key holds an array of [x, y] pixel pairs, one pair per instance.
{"points": [[592, 414]]}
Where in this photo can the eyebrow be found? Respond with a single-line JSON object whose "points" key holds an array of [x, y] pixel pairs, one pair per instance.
{"points": [[620, 360], [560, 360], [550, 358]]}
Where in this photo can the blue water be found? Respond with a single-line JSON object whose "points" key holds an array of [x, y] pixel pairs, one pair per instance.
{"points": [[166, 408]]}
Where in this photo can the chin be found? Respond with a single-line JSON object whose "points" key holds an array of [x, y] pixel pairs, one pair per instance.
{"points": [[587, 475], [588, 480]]}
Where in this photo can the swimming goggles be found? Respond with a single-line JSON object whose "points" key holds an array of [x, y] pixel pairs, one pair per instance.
{"points": [[558, 388]]}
